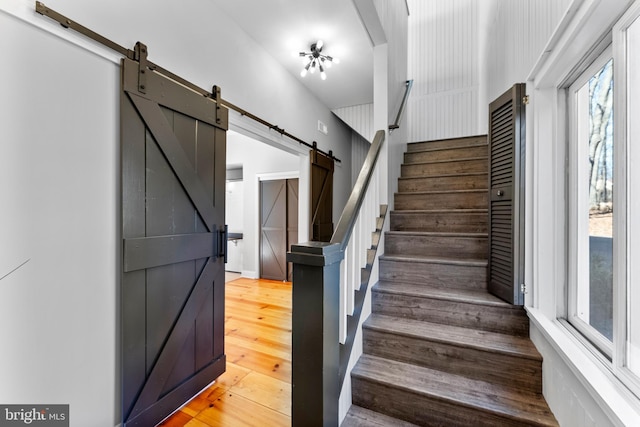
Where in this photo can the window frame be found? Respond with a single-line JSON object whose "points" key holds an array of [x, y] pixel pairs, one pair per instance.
{"points": [[613, 354], [621, 273], [577, 239]]}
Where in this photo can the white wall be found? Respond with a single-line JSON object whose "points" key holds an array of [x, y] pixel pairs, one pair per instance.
{"points": [[444, 64], [59, 183], [518, 32], [59, 169], [513, 38], [234, 207], [258, 161], [463, 54]]}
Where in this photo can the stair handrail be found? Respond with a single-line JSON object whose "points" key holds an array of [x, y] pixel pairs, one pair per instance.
{"points": [[329, 285], [403, 104], [349, 215]]}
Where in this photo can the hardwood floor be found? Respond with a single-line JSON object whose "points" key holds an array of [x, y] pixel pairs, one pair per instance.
{"points": [[256, 388]]}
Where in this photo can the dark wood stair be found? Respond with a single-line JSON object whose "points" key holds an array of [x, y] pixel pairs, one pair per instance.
{"points": [[439, 350]]}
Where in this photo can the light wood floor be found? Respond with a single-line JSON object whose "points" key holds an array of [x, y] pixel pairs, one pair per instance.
{"points": [[256, 388]]}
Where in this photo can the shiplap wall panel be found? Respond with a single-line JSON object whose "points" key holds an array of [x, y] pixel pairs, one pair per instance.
{"points": [[393, 16], [359, 150], [444, 64], [359, 118], [518, 33]]}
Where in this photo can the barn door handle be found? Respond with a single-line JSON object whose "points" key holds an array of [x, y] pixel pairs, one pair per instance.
{"points": [[500, 193], [223, 235]]}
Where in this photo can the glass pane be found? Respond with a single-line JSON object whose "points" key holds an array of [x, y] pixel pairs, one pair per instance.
{"points": [[633, 225], [595, 295]]}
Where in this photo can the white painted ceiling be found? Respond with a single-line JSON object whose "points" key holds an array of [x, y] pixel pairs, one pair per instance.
{"points": [[283, 27]]}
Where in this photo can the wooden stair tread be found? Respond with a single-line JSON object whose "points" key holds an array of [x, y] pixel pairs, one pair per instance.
{"points": [[435, 260], [432, 192], [470, 296], [424, 211], [459, 390], [362, 417], [427, 162], [445, 175], [456, 142], [491, 342], [436, 234], [470, 144]]}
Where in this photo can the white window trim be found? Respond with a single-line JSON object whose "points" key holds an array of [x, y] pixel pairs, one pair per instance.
{"points": [[580, 33], [577, 235], [623, 193]]}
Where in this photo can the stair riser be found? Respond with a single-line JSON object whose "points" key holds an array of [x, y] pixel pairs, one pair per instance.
{"points": [[445, 275], [433, 169], [441, 246], [420, 409], [445, 154], [439, 222], [497, 368], [468, 315], [438, 183], [447, 143], [410, 201]]}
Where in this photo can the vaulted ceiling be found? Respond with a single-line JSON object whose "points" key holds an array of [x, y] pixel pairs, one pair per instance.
{"points": [[285, 27]]}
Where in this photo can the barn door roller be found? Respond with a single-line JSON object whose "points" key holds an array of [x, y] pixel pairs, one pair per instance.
{"points": [[140, 55]]}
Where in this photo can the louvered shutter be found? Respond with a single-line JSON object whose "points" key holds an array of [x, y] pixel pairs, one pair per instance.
{"points": [[506, 183]]}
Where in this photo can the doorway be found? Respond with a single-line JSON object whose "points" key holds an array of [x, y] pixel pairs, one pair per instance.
{"points": [[278, 227], [259, 162]]}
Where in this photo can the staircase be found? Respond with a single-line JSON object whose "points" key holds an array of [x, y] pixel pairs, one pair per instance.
{"points": [[439, 350]]}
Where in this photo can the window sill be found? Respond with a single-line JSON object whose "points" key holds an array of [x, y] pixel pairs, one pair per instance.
{"points": [[616, 401]]}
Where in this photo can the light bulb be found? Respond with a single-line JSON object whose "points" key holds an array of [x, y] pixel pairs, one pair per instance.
{"points": [[328, 63], [323, 75], [303, 72], [319, 44], [336, 60]]}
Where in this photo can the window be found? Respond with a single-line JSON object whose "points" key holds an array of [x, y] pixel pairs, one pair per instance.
{"points": [[631, 293], [591, 293], [603, 303]]}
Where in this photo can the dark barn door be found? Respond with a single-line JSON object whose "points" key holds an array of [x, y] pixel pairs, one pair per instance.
{"points": [[507, 191], [321, 197], [173, 144], [278, 227]]}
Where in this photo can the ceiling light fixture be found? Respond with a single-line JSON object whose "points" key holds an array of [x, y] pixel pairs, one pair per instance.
{"points": [[315, 59]]}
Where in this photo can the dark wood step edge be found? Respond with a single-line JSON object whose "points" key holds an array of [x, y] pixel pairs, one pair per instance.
{"points": [[492, 343], [435, 392], [432, 162]]}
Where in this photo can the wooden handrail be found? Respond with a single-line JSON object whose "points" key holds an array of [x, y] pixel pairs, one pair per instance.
{"points": [[352, 208]]}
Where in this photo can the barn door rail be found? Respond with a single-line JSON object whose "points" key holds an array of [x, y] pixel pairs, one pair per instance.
{"points": [[134, 55], [329, 285]]}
